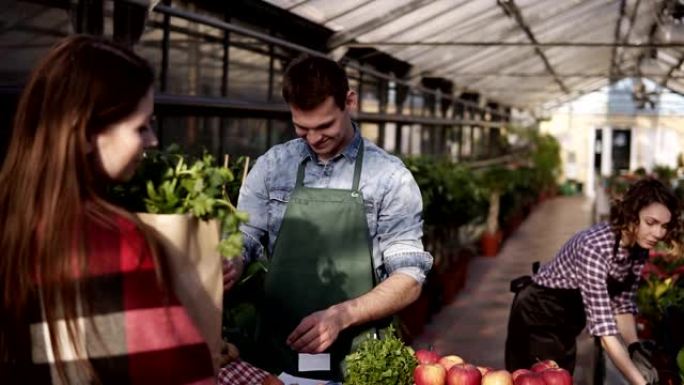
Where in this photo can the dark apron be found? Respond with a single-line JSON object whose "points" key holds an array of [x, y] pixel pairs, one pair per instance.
{"points": [[322, 257], [544, 322]]}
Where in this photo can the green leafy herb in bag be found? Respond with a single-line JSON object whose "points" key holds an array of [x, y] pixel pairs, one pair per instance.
{"points": [[169, 182]]}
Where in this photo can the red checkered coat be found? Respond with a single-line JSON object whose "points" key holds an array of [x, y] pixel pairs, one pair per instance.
{"points": [[133, 332]]}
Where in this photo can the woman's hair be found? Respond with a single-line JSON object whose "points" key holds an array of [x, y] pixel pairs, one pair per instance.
{"points": [[624, 215], [48, 179]]}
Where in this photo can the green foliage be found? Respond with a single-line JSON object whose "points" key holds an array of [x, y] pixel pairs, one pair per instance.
{"points": [[664, 174], [240, 310], [495, 179], [522, 191], [546, 159], [385, 361], [656, 295], [619, 184], [169, 182], [450, 193], [237, 168]]}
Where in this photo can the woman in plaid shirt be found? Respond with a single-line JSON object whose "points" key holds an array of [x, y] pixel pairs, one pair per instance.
{"points": [[85, 299], [592, 281]]}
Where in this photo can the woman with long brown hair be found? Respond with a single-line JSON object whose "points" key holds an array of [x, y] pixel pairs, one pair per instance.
{"points": [[85, 298], [592, 281]]}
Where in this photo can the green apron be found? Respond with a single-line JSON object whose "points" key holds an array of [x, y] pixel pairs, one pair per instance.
{"points": [[322, 257]]}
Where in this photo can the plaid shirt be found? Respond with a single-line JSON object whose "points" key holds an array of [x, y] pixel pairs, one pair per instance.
{"points": [[133, 332], [587, 262], [241, 373]]}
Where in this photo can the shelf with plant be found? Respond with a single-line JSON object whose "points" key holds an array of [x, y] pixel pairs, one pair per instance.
{"points": [[451, 199]]}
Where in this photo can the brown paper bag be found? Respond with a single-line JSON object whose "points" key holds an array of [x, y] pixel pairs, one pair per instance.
{"points": [[195, 268]]}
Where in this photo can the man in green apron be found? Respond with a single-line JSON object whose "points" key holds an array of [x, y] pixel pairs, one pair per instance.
{"points": [[339, 221]]}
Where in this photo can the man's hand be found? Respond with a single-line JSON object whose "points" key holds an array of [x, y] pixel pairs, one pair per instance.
{"points": [[316, 332], [232, 271], [229, 353], [641, 353]]}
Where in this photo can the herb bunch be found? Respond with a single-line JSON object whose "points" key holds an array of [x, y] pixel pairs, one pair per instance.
{"points": [[385, 361], [169, 182]]}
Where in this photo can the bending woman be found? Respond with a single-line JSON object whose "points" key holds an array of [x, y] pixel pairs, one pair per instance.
{"points": [[592, 281]]}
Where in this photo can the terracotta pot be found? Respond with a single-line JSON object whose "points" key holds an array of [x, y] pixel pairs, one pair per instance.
{"points": [[490, 243], [450, 282]]}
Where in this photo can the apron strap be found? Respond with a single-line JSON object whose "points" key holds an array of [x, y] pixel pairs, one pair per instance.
{"points": [[358, 165], [300, 173]]}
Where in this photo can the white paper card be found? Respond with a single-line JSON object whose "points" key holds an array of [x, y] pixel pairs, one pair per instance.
{"points": [[313, 362], [288, 379]]}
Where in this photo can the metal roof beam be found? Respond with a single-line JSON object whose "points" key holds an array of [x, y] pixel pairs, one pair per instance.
{"points": [[670, 73], [578, 44], [632, 20], [544, 75], [613, 71], [511, 9], [293, 6], [343, 37], [511, 56]]}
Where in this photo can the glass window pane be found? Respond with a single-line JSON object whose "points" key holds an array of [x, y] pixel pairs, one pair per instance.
{"points": [[370, 131], [28, 31], [370, 101], [248, 74]]}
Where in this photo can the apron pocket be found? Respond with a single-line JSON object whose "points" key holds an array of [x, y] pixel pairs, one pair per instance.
{"points": [[277, 203]]}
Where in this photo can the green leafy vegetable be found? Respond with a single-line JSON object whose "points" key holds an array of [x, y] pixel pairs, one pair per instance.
{"points": [[169, 182], [385, 361]]}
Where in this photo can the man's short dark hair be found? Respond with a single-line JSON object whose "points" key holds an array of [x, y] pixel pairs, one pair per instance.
{"points": [[309, 80]]}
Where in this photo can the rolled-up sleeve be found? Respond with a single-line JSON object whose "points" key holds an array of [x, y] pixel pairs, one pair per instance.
{"points": [[253, 200], [400, 228], [592, 272]]}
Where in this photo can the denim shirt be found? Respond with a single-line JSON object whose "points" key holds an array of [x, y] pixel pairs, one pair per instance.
{"points": [[391, 197]]}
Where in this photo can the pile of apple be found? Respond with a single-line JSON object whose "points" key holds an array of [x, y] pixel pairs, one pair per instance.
{"points": [[453, 370]]}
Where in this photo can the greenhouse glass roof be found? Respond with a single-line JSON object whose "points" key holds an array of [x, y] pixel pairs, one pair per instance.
{"points": [[525, 53]]}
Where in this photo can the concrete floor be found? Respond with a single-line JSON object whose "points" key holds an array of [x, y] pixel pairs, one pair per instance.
{"points": [[473, 326]]}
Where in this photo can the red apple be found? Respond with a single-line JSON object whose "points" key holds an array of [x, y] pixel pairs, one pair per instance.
{"points": [[425, 356], [449, 361], [497, 377], [429, 374], [484, 370], [543, 365], [531, 378], [519, 372], [463, 374], [557, 376]]}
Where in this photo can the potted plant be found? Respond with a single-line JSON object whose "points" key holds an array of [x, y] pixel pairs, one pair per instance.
{"points": [[451, 199], [494, 181], [546, 161]]}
